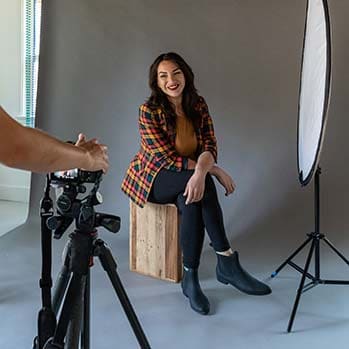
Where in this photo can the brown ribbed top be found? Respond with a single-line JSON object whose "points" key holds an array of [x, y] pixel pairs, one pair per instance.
{"points": [[186, 141]]}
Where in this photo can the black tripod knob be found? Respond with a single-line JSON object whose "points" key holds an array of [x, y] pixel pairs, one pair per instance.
{"points": [[54, 222], [108, 221]]}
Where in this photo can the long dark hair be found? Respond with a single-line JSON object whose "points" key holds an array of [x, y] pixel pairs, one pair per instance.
{"points": [[190, 96]]}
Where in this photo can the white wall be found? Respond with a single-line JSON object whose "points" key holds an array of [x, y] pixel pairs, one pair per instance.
{"points": [[14, 184], [11, 56]]}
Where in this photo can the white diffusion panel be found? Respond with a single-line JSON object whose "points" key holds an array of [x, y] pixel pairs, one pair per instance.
{"points": [[314, 89]]}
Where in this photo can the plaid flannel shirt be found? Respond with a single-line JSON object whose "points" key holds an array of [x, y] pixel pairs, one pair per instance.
{"points": [[157, 150]]}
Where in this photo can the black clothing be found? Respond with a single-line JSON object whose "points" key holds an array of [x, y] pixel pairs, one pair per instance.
{"points": [[168, 187]]}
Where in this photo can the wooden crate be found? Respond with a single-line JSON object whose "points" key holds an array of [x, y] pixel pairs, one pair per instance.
{"points": [[154, 241]]}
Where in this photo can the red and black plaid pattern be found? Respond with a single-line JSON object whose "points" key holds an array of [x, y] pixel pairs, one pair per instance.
{"points": [[157, 150]]}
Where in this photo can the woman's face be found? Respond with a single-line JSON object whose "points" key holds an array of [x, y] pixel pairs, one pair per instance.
{"points": [[171, 79]]}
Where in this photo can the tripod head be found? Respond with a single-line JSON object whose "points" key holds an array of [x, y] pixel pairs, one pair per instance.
{"points": [[70, 207]]}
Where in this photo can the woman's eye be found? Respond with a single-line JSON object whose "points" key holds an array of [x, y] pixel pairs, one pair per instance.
{"points": [[162, 76]]}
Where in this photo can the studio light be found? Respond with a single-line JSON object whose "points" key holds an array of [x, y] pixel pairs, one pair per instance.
{"points": [[314, 95]]}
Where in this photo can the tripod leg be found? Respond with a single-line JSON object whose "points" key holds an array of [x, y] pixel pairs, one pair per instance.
{"points": [[74, 327], [62, 280], [109, 265], [73, 297], [291, 257], [85, 327], [300, 288], [60, 288]]}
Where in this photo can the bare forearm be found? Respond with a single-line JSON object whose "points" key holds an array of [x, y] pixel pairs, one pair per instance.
{"points": [[37, 151], [31, 149], [205, 162], [214, 170], [34, 150]]}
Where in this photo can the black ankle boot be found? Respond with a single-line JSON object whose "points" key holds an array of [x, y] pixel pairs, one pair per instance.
{"points": [[191, 289], [229, 271]]}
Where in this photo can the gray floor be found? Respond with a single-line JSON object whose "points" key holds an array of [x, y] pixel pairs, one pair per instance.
{"points": [[236, 320]]}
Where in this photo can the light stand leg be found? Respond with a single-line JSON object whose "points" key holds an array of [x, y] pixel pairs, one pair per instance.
{"points": [[317, 258], [300, 288], [317, 234], [288, 260], [336, 250]]}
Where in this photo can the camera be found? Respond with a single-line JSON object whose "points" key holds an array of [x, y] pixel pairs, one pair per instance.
{"points": [[75, 176], [71, 206]]}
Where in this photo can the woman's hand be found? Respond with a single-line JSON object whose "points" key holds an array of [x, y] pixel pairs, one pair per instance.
{"points": [[224, 179], [194, 190]]}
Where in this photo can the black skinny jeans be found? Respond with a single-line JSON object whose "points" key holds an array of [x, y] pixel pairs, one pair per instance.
{"points": [[168, 187]]}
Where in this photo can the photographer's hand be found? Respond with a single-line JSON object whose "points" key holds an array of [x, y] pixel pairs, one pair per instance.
{"points": [[97, 154]]}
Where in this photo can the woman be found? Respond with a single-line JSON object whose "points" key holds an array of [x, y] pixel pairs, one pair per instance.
{"points": [[175, 164]]}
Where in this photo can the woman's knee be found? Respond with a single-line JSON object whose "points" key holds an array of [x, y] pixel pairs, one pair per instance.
{"points": [[193, 209]]}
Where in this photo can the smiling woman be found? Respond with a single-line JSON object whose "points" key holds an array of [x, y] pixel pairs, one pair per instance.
{"points": [[175, 165]]}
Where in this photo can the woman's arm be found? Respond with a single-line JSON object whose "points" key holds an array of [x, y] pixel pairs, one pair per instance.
{"points": [[205, 162], [222, 176], [196, 185], [208, 136], [224, 179]]}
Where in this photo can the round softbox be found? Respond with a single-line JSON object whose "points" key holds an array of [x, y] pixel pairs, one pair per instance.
{"points": [[314, 88]]}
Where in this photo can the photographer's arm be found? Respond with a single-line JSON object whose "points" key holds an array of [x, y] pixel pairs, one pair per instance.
{"points": [[34, 150]]}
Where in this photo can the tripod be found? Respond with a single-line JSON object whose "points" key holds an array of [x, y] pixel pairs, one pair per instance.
{"points": [[314, 238], [71, 300], [74, 281]]}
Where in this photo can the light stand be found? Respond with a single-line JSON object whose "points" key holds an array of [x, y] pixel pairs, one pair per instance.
{"points": [[315, 238]]}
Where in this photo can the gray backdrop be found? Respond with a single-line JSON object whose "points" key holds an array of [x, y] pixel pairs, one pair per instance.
{"points": [[246, 55]]}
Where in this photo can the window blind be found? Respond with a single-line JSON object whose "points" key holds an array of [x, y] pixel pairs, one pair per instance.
{"points": [[32, 50]]}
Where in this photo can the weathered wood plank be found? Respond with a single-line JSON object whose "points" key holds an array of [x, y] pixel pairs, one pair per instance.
{"points": [[154, 241]]}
